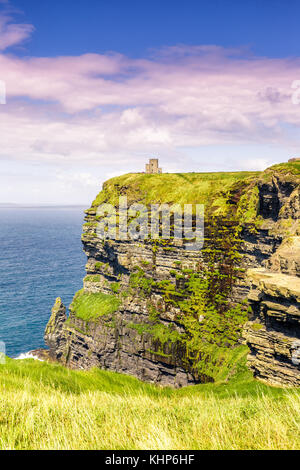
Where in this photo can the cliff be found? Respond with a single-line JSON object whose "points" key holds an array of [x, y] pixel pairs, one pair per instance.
{"points": [[166, 314], [273, 334]]}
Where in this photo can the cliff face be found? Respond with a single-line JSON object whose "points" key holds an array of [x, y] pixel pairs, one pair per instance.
{"points": [[273, 334], [168, 315]]}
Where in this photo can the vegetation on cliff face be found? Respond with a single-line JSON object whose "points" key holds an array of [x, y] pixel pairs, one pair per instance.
{"points": [[206, 326], [46, 406], [212, 326], [89, 306], [230, 199]]}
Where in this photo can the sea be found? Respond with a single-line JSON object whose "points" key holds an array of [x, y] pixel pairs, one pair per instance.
{"points": [[41, 258]]}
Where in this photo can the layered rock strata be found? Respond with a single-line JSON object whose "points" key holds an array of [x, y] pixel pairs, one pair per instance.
{"points": [[120, 341], [273, 334]]}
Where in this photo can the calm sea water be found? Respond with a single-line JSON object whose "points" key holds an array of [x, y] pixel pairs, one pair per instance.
{"points": [[41, 258]]}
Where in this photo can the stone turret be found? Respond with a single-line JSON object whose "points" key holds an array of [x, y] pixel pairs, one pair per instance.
{"points": [[152, 166]]}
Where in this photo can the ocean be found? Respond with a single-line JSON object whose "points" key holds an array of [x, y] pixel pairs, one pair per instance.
{"points": [[41, 258]]}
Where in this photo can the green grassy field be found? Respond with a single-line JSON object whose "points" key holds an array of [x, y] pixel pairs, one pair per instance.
{"points": [[219, 192], [179, 188], [211, 189], [45, 406]]}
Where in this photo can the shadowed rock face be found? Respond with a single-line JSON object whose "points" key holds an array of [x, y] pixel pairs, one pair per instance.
{"points": [[54, 328], [273, 334], [269, 201], [115, 341], [273, 195], [110, 342], [286, 258]]}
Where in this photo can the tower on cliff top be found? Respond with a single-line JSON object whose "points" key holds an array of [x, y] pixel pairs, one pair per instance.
{"points": [[152, 167]]}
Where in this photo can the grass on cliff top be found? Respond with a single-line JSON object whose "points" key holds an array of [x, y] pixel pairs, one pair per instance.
{"points": [[288, 167], [290, 170], [182, 188], [88, 306], [46, 406]]}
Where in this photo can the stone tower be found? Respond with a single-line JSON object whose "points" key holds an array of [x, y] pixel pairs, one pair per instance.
{"points": [[152, 166]]}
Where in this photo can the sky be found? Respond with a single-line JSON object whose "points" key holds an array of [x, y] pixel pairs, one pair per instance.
{"points": [[92, 89]]}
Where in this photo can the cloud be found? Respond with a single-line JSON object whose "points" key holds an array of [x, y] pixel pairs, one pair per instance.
{"points": [[12, 34], [78, 178], [105, 109]]}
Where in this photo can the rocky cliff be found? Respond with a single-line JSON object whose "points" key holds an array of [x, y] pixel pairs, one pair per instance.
{"points": [[170, 315], [273, 334]]}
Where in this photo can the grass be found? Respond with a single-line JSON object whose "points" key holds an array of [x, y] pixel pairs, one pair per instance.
{"points": [[214, 190], [288, 167], [92, 278], [180, 188], [290, 170], [45, 406], [88, 306]]}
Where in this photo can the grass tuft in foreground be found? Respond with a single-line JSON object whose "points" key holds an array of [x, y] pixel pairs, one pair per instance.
{"points": [[45, 406]]}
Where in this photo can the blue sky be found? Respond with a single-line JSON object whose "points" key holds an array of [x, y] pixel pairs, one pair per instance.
{"points": [[94, 88], [67, 27]]}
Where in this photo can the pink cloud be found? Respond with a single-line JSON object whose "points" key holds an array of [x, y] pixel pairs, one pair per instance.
{"points": [[11, 33], [97, 106]]}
